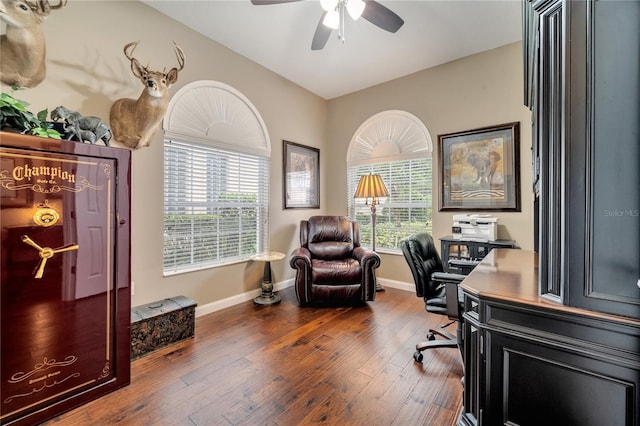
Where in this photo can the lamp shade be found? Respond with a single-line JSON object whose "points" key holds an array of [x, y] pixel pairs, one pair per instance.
{"points": [[371, 186]]}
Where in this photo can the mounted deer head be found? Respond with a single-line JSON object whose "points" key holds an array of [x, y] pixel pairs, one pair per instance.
{"points": [[134, 122], [22, 48]]}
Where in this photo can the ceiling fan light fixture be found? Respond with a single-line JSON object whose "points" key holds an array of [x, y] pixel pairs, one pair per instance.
{"points": [[329, 5], [355, 8], [332, 19]]}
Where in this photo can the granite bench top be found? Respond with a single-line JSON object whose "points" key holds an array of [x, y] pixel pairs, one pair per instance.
{"points": [[153, 309]]}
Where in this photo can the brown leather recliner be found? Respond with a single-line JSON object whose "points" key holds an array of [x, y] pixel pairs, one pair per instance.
{"points": [[331, 265]]}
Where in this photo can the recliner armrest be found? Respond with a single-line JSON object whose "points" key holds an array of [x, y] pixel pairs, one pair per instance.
{"points": [[300, 258], [365, 256]]}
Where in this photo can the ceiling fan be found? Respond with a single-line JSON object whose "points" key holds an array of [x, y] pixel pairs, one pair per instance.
{"points": [[334, 14]]}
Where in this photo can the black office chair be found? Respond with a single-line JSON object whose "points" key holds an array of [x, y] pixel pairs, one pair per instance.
{"points": [[439, 289]]}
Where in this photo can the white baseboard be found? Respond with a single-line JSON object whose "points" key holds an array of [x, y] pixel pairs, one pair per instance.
{"points": [[239, 298], [250, 295], [401, 285]]}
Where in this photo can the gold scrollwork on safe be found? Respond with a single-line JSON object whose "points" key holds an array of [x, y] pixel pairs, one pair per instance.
{"points": [[43, 385], [46, 364], [105, 371], [107, 169]]}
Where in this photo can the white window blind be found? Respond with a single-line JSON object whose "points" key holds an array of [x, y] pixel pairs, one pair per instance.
{"points": [[406, 211], [215, 205]]}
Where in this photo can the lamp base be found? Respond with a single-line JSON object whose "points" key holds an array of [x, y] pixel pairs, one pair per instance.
{"points": [[379, 286], [267, 299]]}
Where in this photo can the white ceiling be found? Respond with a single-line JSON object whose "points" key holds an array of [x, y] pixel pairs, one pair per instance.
{"points": [[279, 37]]}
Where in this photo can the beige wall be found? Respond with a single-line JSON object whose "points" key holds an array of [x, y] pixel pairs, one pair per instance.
{"points": [[473, 92], [87, 72]]}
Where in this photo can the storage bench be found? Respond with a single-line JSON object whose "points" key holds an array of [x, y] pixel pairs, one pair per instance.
{"points": [[159, 324]]}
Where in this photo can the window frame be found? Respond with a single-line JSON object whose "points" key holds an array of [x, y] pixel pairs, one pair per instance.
{"points": [[212, 115], [388, 139], [189, 193]]}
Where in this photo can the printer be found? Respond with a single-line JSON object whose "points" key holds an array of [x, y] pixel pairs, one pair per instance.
{"points": [[478, 227]]}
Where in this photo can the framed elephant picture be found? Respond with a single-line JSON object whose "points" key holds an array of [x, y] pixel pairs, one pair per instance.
{"points": [[480, 169]]}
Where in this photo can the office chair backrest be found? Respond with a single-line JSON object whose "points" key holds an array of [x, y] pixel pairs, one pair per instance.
{"points": [[423, 259], [329, 237]]}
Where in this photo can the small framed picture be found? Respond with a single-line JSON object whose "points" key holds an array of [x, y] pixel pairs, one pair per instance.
{"points": [[301, 173]]}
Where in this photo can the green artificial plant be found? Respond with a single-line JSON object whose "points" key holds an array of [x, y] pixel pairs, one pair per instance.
{"points": [[15, 115]]}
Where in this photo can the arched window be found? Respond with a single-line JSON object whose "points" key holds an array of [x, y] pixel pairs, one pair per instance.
{"points": [[216, 178], [397, 146]]}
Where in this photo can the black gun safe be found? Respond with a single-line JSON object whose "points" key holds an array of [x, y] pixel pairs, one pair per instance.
{"points": [[65, 299]]}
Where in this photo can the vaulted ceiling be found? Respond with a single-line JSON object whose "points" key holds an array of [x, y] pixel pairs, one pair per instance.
{"points": [[278, 36]]}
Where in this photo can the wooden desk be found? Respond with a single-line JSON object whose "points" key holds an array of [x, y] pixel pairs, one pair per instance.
{"points": [[533, 361]]}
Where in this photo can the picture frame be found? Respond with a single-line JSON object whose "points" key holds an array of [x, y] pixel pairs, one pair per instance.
{"points": [[301, 176], [480, 169]]}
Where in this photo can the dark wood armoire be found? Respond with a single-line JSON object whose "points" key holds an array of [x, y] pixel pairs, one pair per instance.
{"points": [[552, 337], [65, 296]]}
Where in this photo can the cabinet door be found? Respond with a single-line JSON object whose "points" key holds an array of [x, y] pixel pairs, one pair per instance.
{"points": [[535, 383], [473, 366], [454, 250], [550, 142], [603, 215]]}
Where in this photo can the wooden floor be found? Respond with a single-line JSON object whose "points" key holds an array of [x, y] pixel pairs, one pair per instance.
{"points": [[286, 365]]}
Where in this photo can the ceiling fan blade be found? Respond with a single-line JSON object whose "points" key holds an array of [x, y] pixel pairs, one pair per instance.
{"points": [[265, 2], [382, 16], [321, 35]]}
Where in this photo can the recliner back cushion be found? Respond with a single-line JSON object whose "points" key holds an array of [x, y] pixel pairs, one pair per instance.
{"points": [[330, 237]]}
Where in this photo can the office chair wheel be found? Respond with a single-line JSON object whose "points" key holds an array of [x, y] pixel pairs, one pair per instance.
{"points": [[431, 336], [417, 356]]}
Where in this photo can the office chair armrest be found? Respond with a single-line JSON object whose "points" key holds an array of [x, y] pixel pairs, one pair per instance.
{"points": [[447, 277], [452, 291]]}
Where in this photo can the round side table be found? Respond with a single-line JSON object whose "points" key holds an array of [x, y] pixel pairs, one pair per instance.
{"points": [[268, 297]]}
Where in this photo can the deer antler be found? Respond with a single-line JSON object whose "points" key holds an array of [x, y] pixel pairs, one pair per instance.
{"points": [[129, 55], [179, 56], [60, 5], [43, 7]]}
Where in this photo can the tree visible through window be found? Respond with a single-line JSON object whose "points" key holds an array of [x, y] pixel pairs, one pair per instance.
{"points": [[406, 211], [215, 205]]}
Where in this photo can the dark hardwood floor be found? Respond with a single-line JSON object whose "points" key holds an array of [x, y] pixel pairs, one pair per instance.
{"points": [[286, 365]]}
